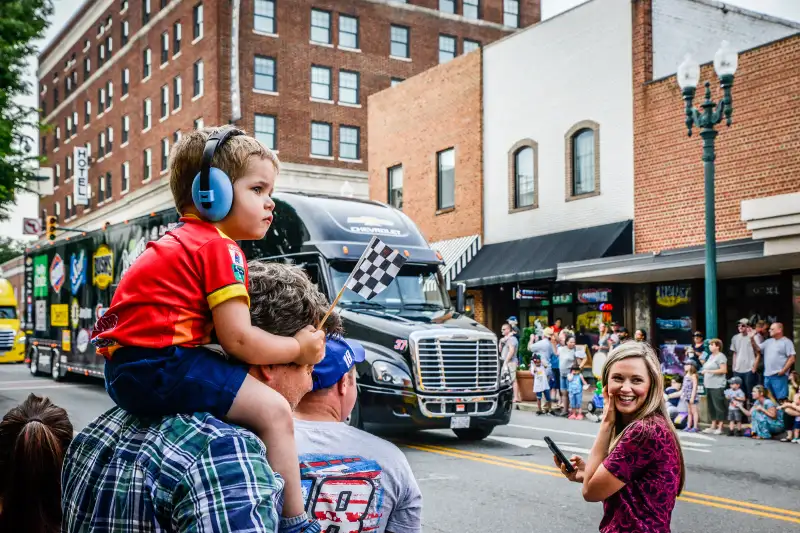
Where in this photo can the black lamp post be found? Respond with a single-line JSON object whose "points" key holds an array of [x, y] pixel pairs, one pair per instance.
{"points": [[725, 63]]}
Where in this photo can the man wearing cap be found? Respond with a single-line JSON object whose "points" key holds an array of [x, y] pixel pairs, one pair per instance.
{"points": [[745, 358], [352, 480], [779, 358]]}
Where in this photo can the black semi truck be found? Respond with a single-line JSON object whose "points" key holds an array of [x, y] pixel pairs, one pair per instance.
{"points": [[428, 365]]}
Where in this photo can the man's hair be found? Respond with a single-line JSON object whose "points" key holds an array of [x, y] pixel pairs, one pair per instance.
{"points": [[233, 158], [283, 300]]}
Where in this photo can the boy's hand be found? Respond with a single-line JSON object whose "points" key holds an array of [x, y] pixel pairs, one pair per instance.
{"points": [[312, 345]]}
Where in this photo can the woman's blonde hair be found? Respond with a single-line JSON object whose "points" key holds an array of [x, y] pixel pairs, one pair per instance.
{"points": [[654, 404]]}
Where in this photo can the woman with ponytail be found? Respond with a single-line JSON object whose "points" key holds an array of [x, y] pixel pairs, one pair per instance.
{"points": [[636, 465], [33, 440]]}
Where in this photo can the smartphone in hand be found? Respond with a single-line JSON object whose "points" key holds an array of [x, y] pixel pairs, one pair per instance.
{"points": [[559, 455]]}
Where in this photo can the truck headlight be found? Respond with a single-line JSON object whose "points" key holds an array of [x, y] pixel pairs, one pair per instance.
{"points": [[389, 374], [505, 375], [21, 339]]}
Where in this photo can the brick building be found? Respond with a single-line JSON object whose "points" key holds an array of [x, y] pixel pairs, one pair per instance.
{"points": [[125, 77]]}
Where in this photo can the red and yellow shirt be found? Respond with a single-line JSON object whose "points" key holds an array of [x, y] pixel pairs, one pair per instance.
{"points": [[166, 297]]}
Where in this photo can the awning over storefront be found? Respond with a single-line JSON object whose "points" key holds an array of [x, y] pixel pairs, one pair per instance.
{"points": [[456, 253], [537, 257], [738, 258]]}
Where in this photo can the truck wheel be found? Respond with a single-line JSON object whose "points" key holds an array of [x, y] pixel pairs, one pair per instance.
{"points": [[471, 434], [35, 363], [55, 367], [355, 417]]}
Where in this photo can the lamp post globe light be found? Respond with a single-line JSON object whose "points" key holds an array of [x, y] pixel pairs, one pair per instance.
{"points": [[725, 63]]}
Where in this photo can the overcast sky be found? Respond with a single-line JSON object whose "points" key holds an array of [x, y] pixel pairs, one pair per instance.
{"points": [[28, 204]]}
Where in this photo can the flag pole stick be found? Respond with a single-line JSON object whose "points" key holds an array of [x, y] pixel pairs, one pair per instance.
{"points": [[330, 309]]}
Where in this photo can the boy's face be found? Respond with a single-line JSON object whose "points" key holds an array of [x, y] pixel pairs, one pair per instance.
{"points": [[251, 213], [735, 386]]}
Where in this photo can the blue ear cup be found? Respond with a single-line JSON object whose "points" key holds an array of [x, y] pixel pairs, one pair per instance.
{"points": [[219, 195]]}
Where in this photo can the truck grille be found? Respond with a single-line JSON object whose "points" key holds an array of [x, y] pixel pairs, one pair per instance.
{"points": [[445, 364], [6, 339]]}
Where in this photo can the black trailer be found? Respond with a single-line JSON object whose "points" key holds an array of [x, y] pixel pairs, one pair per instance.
{"points": [[428, 365]]}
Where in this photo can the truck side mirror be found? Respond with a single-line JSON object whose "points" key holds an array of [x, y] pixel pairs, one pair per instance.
{"points": [[461, 298]]}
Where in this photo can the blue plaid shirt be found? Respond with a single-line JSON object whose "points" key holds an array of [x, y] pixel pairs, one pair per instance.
{"points": [[182, 473]]}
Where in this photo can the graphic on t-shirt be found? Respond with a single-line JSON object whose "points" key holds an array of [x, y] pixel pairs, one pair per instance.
{"points": [[343, 492]]}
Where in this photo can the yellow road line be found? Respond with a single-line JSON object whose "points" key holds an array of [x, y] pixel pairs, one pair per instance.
{"points": [[688, 497]]}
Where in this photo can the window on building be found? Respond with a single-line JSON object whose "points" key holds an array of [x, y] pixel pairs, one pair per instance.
{"points": [[75, 78], [109, 139], [349, 91], [109, 185], [43, 145], [349, 143], [320, 83], [446, 178], [57, 211], [88, 148], [101, 189], [148, 163], [126, 81], [164, 47], [321, 139], [67, 85], [264, 74], [583, 162], [101, 144], [197, 75], [264, 18], [87, 67], [197, 21], [164, 101], [164, 3], [147, 61], [447, 48], [145, 12], [43, 104], [176, 38], [511, 13], [101, 100], [472, 9], [70, 174], [395, 176], [524, 177], [164, 153], [74, 122], [147, 114], [348, 32], [101, 55], [447, 6], [396, 81], [110, 93], [57, 137], [126, 128], [176, 136], [177, 92], [68, 125], [471, 46], [126, 177], [399, 41], [55, 96], [123, 5], [320, 26], [109, 45], [265, 130], [126, 29], [68, 207], [57, 176], [198, 123]]}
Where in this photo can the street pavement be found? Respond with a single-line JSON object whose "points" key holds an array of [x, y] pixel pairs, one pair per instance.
{"points": [[508, 482]]}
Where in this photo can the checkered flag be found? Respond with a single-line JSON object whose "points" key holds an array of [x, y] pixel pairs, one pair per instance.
{"points": [[376, 269]]}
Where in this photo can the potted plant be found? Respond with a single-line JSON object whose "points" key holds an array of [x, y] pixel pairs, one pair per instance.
{"points": [[524, 377]]}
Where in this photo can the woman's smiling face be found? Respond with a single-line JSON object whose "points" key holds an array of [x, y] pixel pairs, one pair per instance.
{"points": [[629, 383]]}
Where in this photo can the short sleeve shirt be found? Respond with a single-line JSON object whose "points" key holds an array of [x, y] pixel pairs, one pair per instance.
{"points": [[715, 381], [647, 460], [776, 353], [745, 355], [166, 297], [506, 344], [354, 481]]}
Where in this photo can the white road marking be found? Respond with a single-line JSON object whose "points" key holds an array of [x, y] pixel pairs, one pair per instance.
{"points": [[682, 435], [527, 443], [37, 387], [21, 381]]}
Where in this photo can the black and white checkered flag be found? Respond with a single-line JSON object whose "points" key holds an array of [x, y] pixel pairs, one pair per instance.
{"points": [[377, 268]]}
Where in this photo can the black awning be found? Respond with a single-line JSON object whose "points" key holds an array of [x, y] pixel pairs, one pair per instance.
{"points": [[537, 257]]}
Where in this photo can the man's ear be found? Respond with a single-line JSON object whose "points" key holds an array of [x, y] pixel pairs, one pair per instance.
{"points": [[262, 373]]}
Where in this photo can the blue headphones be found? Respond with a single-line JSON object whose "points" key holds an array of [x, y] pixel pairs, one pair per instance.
{"points": [[212, 190]]}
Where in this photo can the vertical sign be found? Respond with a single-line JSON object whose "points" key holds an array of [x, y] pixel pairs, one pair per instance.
{"points": [[236, 107], [81, 193]]}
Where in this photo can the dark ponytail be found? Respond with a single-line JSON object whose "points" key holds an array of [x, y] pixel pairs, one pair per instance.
{"points": [[33, 440]]}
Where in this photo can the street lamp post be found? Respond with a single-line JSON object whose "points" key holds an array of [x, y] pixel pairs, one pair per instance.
{"points": [[725, 63]]}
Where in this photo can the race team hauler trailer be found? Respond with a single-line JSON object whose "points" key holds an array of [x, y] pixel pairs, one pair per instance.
{"points": [[428, 366]]}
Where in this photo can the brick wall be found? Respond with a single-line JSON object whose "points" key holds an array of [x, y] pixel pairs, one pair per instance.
{"points": [[478, 310], [759, 155], [410, 123]]}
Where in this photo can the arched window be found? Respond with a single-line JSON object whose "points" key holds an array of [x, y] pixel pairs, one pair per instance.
{"points": [[583, 160], [523, 177], [523, 190]]}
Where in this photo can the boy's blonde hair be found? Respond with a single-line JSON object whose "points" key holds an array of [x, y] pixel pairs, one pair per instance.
{"points": [[233, 158]]}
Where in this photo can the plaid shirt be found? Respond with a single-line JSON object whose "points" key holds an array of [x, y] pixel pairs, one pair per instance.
{"points": [[182, 473]]}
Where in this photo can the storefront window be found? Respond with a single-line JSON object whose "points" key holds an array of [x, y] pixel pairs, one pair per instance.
{"points": [[674, 325], [796, 312]]}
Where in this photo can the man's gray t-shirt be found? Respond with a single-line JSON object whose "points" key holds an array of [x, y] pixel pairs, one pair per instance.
{"points": [[745, 355], [776, 353], [507, 343], [355, 481]]}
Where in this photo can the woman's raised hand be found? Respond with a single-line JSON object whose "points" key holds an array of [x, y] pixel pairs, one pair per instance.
{"points": [[609, 410], [577, 474]]}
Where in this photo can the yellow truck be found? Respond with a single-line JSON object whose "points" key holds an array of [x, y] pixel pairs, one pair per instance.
{"points": [[12, 338]]}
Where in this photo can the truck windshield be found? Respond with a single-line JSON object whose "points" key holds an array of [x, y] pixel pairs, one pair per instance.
{"points": [[8, 312], [417, 289]]}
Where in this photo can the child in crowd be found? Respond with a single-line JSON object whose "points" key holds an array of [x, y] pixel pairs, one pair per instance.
{"points": [[186, 296], [576, 385], [672, 395], [794, 406], [541, 385], [736, 399], [689, 395]]}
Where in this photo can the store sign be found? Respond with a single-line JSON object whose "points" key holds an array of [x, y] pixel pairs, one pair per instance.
{"points": [[40, 276], [594, 296], [80, 193], [607, 308], [673, 295], [562, 299], [532, 294], [762, 289]]}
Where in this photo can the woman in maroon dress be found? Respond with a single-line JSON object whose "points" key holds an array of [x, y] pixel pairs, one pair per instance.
{"points": [[636, 465]]}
